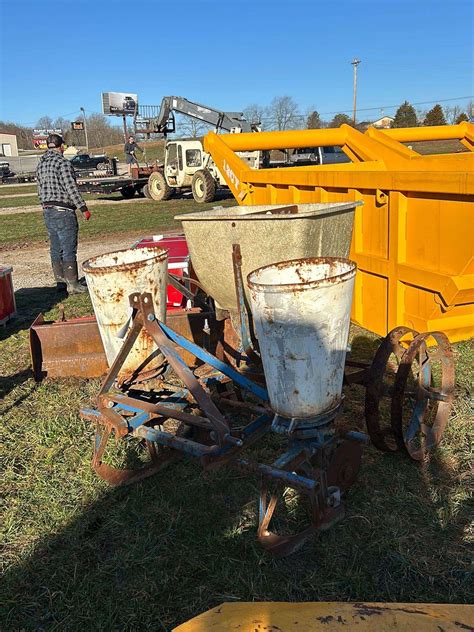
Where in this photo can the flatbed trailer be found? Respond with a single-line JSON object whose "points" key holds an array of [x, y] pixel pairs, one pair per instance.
{"points": [[19, 178], [125, 185]]}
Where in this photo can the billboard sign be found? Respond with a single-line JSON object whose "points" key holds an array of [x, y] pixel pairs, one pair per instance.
{"points": [[40, 136], [77, 126], [119, 103]]}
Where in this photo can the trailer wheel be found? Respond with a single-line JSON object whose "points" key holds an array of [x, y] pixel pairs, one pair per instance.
{"points": [[128, 192], [146, 192], [158, 188], [203, 186], [101, 166]]}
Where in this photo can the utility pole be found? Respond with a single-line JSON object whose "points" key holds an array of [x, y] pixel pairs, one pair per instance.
{"points": [[85, 128], [355, 62]]}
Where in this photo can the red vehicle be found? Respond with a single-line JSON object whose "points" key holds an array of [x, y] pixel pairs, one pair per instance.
{"points": [[178, 263]]}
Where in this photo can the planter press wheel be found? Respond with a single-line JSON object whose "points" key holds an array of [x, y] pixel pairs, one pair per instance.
{"points": [[391, 349], [419, 427], [276, 544], [342, 470]]}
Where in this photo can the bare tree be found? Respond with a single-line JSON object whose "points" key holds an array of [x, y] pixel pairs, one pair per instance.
{"points": [[65, 126], [470, 110], [101, 133], [190, 127], [283, 113], [257, 114], [45, 122], [420, 115], [451, 113], [24, 135], [62, 124]]}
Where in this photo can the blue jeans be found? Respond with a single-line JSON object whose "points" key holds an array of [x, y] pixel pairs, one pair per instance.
{"points": [[62, 230]]}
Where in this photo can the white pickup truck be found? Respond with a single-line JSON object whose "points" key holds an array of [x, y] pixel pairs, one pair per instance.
{"points": [[328, 155]]}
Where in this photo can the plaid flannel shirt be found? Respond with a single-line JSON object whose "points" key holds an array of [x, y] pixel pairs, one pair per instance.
{"points": [[56, 180]]}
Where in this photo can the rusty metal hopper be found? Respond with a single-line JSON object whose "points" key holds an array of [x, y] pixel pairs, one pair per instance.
{"points": [[266, 235]]}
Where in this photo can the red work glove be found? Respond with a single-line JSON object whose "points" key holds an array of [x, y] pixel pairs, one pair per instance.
{"points": [[86, 215]]}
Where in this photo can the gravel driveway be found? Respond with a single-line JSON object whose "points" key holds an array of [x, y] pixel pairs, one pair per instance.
{"points": [[32, 267]]}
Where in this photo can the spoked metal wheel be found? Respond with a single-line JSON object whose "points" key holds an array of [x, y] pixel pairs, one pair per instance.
{"points": [[421, 406], [380, 386]]}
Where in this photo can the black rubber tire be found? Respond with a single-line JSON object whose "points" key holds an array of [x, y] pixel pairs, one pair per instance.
{"points": [[101, 166], [128, 192], [158, 188], [146, 192], [203, 187]]}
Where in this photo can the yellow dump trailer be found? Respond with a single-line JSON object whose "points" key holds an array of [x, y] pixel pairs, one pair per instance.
{"points": [[413, 238]]}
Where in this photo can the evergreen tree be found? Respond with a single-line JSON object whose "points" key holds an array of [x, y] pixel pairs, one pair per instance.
{"points": [[314, 120], [435, 116], [405, 116], [462, 117], [340, 119]]}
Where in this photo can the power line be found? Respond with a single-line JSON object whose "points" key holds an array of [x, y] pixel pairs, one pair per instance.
{"points": [[387, 107], [32, 123], [380, 107]]}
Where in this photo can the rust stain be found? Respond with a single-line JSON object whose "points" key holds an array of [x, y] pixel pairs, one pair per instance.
{"points": [[332, 262], [149, 254]]}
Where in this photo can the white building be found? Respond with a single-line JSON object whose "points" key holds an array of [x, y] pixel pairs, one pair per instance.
{"points": [[8, 145], [383, 123]]}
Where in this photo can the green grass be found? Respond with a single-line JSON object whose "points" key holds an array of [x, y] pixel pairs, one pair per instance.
{"points": [[14, 190], [79, 555], [437, 146], [142, 217], [6, 202]]}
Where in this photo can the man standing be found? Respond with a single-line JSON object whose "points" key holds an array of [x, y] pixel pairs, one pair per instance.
{"points": [[60, 197], [130, 148]]}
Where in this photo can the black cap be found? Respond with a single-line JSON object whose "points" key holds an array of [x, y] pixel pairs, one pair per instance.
{"points": [[54, 140]]}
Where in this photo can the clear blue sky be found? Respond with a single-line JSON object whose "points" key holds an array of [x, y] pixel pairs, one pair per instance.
{"points": [[58, 55]]}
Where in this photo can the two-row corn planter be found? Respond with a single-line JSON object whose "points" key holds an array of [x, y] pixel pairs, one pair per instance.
{"points": [[279, 367]]}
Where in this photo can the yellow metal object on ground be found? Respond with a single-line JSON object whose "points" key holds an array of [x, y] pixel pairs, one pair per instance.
{"points": [[413, 238], [330, 616]]}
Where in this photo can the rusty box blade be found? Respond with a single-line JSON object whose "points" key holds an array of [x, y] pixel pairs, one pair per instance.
{"points": [[70, 348], [73, 348]]}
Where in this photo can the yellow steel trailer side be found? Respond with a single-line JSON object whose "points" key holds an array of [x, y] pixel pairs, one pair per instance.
{"points": [[332, 616], [413, 238]]}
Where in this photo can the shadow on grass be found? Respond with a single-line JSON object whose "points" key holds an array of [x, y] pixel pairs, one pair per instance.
{"points": [[30, 301], [154, 554], [162, 551], [10, 382], [221, 194]]}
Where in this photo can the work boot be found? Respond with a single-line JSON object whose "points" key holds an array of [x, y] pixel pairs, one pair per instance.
{"points": [[59, 276], [70, 274]]}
